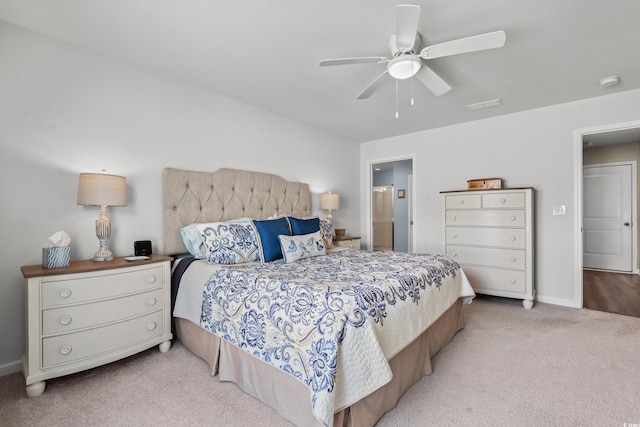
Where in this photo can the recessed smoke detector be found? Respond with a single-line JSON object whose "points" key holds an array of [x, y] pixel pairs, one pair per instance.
{"points": [[485, 104], [610, 81]]}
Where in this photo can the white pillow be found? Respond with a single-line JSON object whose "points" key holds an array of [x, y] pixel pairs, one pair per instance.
{"points": [[302, 246]]}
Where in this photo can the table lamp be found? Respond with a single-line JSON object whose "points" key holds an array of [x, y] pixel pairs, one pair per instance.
{"points": [[101, 189]]}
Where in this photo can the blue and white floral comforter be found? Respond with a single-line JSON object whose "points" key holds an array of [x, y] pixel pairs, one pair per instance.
{"points": [[332, 321]]}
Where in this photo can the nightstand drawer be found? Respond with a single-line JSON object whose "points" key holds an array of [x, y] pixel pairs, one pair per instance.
{"points": [[70, 318], [352, 243], [93, 342], [70, 289]]}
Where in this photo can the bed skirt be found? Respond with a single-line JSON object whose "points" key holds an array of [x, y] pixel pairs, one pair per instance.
{"points": [[291, 398]]}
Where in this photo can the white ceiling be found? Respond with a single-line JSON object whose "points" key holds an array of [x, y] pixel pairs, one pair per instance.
{"points": [[266, 53]]}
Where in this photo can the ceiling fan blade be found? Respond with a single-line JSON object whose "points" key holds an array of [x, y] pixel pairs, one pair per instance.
{"points": [[373, 86], [468, 44], [432, 81], [345, 61], [407, 17]]}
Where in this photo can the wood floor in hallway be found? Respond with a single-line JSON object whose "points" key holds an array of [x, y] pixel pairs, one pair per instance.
{"points": [[611, 292]]}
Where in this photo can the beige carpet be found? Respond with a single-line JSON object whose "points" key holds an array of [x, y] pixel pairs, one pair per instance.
{"points": [[550, 366]]}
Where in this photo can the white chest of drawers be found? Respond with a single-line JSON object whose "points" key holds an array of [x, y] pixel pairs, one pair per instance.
{"points": [[92, 313], [490, 234]]}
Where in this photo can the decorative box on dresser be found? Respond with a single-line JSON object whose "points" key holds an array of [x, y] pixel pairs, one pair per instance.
{"points": [[490, 234], [347, 242], [92, 313]]}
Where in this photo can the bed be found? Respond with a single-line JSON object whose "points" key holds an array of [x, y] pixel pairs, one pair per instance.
{"points": [[333, 339]]}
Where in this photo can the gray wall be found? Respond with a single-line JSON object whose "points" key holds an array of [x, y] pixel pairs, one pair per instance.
{"points": [[64, 111], [539, 148]]}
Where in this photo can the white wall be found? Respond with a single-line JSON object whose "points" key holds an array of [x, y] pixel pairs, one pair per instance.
{"points": [[64, 111], [532, 148]]}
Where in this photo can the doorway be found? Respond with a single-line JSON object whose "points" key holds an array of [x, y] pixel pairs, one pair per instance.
{"points": [[391, 230], [607, 233], [383, 218]]}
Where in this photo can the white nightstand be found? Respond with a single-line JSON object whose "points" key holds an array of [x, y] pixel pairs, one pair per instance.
{"points": [[347, 242], [93, 313]]}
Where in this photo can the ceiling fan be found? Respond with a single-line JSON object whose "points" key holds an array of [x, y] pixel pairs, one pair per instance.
{"points": [[408, 59]]}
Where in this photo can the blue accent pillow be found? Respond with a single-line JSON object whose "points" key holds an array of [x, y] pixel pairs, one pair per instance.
{"points": [[304, 226], [267, 232]]}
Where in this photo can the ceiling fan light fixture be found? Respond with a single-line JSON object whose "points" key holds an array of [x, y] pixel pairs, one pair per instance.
{"points": [[404, 67]]}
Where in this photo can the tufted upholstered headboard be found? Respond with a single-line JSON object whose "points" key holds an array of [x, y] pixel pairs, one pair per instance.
{"points": [[191, 197]]}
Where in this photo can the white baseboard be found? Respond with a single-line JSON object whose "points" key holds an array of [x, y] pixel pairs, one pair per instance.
{"points": [[557, 301], [10, 368]]}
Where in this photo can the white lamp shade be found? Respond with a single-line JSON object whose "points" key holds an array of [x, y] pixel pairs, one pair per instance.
{"points": [[97, 189], [330, 201]]}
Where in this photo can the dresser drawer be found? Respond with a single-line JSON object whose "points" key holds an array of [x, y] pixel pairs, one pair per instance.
{"points": [[482, 236], [93, 342], [493, 279], [463, 201], [503, 200], [70, 289], [70, 318], [506, 258], [489, 218]]}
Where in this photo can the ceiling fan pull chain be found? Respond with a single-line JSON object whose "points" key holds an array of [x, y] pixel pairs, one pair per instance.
{"points": [[396, 99], [413, 73]]}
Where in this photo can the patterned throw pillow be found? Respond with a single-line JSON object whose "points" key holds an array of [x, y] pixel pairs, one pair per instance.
{"points": [[302, 246], [230, 243], [326, 229]]}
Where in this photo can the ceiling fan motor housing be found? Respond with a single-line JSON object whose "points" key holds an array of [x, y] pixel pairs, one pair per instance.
{"points": [[402, 50]]}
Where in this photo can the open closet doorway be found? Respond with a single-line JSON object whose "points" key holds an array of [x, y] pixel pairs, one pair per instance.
{"points": [[610, 280], [392, 205]]}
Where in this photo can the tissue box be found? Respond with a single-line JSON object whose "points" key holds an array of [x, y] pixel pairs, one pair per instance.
{"points": [[55, 257]]}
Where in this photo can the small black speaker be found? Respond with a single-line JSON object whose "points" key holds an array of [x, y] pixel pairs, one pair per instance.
{"points": [[142, 248]]}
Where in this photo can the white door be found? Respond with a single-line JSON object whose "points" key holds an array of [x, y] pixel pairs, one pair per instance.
{"points": [[607, 217]]}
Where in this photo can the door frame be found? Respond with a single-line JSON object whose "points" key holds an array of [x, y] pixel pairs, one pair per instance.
{"points": [[634, 207], [369, 199], [578, 164]]}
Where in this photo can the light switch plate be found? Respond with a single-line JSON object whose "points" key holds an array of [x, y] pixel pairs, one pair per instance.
{"points": [[559, 210]]}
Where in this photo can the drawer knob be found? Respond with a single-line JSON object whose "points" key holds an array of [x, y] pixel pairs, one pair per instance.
{"points": [[151, 326], [462, 202], [513, 259], [455, 236], [65, 349], [151, 301], [503, 200], [151, 279], [513, 238], [65, 320], [513, 218], [454, 217], [65, 293], [454, 255], [513, 281]]}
